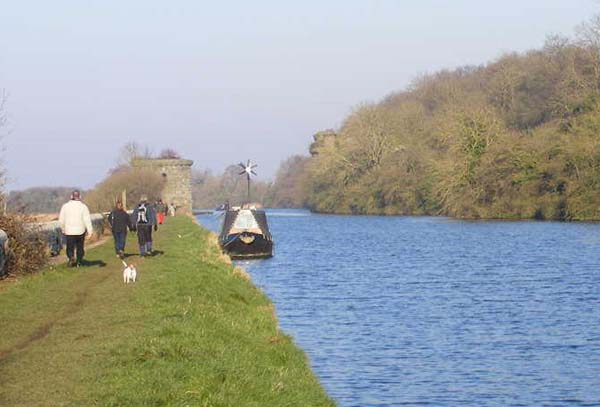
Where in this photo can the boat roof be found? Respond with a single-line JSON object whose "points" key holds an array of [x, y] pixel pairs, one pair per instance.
{"points": [[260, 226]]}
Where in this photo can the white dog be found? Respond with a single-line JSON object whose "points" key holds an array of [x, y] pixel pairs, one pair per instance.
{"points": [[130, 273]]}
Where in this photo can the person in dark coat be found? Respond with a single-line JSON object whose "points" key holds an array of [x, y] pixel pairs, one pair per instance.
{"points": [[119, 222], [144, 220]]}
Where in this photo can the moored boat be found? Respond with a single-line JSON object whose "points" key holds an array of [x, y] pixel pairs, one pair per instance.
{"points": [[244, 231]]}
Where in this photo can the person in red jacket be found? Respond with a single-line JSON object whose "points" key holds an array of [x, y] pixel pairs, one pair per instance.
{"points": [[161, 210]]}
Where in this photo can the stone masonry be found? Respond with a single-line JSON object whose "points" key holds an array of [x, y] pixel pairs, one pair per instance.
{"points": [[178, 177]]}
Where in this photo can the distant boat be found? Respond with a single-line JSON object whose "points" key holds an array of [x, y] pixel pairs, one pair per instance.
{"points": [[222, 207], [245, 232]]}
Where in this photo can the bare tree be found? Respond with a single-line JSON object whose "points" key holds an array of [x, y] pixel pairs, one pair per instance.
{"points": [[130, 152], [588, 33], [169, 153], [3, 120], [588, 37], [2, 102]]}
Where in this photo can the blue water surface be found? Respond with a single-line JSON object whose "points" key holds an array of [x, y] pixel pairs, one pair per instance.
{"points": [[423, 311]]}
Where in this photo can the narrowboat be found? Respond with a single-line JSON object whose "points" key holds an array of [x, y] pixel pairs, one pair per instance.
{"points": [[244, 230], [245, 233]]}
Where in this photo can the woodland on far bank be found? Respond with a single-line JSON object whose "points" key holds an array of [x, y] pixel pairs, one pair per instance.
{"points": [[516, 138]]}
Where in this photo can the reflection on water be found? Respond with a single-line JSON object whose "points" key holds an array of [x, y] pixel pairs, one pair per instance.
{"points": [[433, 311]]}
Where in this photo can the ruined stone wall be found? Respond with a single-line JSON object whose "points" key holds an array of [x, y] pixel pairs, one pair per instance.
{"points": [[178, 177]]}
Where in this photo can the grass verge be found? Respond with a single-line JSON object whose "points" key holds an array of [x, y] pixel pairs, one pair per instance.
{"points": [[193, 331]]}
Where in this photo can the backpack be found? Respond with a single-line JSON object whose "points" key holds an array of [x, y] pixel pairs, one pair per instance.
{"points": [[141, 214]]}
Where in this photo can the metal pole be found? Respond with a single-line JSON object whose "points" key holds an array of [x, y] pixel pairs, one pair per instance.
{"points": [[248, 176]]}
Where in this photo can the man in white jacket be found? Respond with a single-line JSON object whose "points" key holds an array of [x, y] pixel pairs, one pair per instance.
{"points": [[75, 222]]}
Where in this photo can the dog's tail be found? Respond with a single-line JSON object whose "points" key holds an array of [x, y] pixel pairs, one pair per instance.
{"points": [[125, 264]]}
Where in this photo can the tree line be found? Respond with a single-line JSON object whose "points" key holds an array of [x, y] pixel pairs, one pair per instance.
{"points": [[285, 191], [516, 138]]}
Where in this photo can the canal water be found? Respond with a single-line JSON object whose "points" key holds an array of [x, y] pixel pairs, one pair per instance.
{"points": [[423, 311]]}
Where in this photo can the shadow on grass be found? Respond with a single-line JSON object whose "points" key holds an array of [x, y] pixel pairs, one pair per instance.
{"points": [[154, 253], [92, 263]]}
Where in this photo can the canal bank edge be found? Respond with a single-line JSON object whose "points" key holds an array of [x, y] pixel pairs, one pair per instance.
{"points": [[192, 331]]}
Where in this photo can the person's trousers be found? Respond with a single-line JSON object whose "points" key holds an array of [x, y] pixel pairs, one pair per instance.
{"points": [[120, 238], [161, 217], [75, 244], [144, 232]]}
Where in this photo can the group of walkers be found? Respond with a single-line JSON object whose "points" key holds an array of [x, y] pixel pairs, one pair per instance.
{"points": [[76, 225], [145, 218]]}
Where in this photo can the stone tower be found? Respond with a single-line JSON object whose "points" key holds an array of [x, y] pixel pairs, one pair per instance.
{"points": [[178, 177]]}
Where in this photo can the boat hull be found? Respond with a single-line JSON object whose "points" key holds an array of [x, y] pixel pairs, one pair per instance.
{"points": [[247, 246]]}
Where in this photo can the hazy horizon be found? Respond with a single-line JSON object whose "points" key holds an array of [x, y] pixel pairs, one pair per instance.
{"points": [[227, 82]]}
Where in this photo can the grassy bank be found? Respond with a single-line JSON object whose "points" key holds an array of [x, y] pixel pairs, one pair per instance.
{"points": [[191, 332]]}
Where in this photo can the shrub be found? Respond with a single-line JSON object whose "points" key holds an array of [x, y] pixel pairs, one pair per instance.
{"points": [[26, 247]]}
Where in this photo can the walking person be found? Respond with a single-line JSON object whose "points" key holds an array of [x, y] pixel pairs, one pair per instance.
{"points": [[119, 221], [161, 209], [144, 218], [75, 224]]}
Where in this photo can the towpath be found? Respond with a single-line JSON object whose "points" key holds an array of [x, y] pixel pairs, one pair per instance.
{"points": [[192, 331]]}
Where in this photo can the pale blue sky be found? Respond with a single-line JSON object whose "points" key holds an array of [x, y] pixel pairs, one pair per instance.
{"points": [[226, 81]]}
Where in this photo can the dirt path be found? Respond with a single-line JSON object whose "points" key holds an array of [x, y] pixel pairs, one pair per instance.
{"points": [[44, 329], [57, 323]]}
